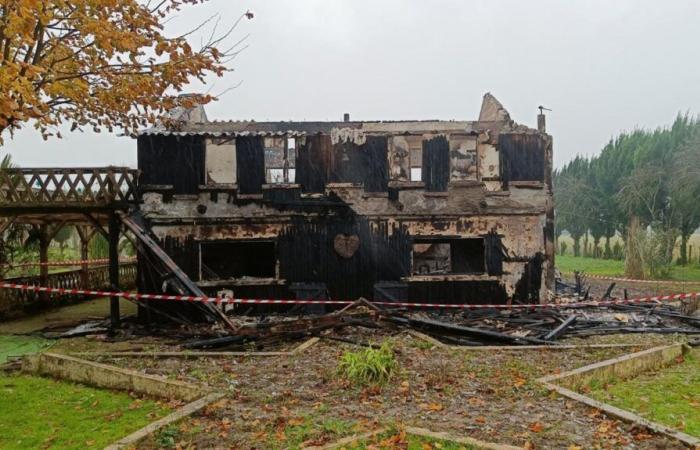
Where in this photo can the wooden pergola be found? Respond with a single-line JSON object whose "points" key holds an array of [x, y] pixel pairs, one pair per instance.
{"points": [[88, 198]]}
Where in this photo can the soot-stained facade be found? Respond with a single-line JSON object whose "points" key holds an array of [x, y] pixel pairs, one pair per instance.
{"points": [[430, 211]]}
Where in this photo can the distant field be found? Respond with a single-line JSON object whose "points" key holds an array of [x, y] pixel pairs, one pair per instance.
{"points": [[694, 243], [614, 268]]}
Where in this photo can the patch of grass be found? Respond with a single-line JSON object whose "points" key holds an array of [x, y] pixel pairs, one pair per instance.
{"points": [[670, 396], [615, 268], [167, 437], [21, 345], [400, 439], [370, 366], [421, 344], [296, 432], [38, 412], [592, 266]]}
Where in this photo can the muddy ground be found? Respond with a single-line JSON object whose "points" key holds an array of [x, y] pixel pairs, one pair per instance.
{"points": [[292, 401]]}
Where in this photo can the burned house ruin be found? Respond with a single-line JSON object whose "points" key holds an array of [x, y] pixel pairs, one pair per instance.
{"points": [[430, 211]]}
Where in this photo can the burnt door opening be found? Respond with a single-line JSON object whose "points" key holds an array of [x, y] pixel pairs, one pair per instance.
{"points": [[225, 260], [448, 256]]}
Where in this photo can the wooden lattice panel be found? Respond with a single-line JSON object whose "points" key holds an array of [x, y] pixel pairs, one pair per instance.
{"points": [[101, 186]]}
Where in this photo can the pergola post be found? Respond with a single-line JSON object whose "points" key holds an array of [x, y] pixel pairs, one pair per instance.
{"points": [[84, 234], [114, 268], [44, 242]]}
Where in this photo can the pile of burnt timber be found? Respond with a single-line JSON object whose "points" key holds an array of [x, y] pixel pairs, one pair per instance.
{"points": [[470, 328]]}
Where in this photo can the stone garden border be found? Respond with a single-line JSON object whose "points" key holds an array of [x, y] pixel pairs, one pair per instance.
{"points": [[554, 346], [416, 432], [627, 366], [301, 348]]}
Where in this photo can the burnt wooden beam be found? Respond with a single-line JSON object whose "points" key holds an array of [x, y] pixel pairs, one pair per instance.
{"points": [[53, 230], [7, 224], [98, 226], [440, 328], [608, 291], [560, 330], [181, 277]]}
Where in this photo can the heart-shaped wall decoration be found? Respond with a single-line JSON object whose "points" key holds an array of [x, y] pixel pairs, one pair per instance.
{"points": [[346, 244]]}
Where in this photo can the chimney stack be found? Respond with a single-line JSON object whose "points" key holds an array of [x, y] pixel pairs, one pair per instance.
{"points": [[541, 123], [346, 117]]}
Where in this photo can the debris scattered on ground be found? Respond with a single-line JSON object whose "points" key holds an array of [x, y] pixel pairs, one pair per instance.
{"points": [[478, 327]]}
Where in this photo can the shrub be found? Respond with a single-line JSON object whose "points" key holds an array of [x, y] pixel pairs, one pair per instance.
{"points": [[371, 366], [618, 252]]}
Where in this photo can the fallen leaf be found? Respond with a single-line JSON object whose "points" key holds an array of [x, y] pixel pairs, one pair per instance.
{"points": [[476, 401], [519, 382], [536, 427]]}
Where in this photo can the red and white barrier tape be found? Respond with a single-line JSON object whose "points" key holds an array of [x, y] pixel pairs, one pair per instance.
{"points": [[633, 280], [74, 262], [226, 300]]}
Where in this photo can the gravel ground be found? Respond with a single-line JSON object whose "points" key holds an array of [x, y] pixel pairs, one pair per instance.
{"points": [[288, 402]]}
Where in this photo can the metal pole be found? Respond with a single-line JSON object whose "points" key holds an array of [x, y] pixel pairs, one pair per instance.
{"points": [[114, 268]]}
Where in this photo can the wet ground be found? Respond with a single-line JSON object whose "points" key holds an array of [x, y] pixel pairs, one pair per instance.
{"points": [[287, 401]]}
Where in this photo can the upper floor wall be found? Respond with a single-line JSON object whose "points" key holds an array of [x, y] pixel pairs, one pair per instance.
{"points": [[313, 158]]}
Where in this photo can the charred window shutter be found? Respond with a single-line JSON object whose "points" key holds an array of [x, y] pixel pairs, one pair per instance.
{"points": [[522, 157], [436, 164], [177, 161], [376, 171], [250, 164], [349, 163], [494, 254], [313, 162], [366, 163]]}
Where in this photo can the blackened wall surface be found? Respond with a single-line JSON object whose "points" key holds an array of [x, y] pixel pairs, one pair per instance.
{"points": [[172, 160], [348, 254], [471, 292]]}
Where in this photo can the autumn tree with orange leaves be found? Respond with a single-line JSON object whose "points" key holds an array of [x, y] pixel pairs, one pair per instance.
{"points": [[100, 64]]}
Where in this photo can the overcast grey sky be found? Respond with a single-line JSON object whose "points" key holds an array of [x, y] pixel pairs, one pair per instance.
{"points": [[602, 66]]}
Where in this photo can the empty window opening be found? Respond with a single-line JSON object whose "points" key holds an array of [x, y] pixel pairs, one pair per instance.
{"points": [[449, 256], [280, 160], [416, 159], [220, 161], [224, 260]]}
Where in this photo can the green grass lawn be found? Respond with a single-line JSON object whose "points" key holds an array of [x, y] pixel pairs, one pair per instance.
{"points": [[670, 396], [615, 268], [38, 412], [21, 345]]}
